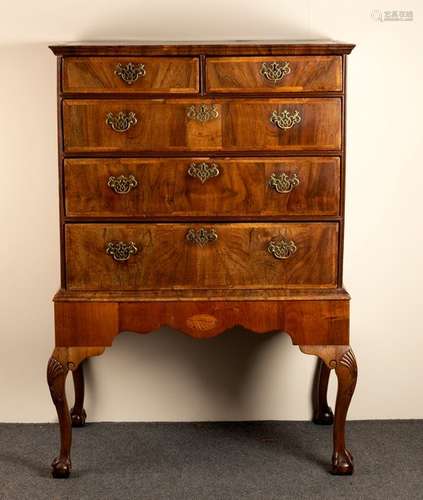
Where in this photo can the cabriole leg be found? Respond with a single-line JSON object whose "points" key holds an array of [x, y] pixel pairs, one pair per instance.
{"points": [[346, 371], [342, 359], [61, 361], [78, 414], [322, 412], [56, 378]]}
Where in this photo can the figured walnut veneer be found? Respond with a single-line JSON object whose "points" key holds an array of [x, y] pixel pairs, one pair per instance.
{"points": [[160, 74], [202, 188], [165, 260], [304, 74], [242, 186], [163, 125]]}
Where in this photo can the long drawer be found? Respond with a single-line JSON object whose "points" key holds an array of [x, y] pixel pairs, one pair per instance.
{"points": [[202, 187], [111, 125], [136, 75], [270, 75], [177, 256]]}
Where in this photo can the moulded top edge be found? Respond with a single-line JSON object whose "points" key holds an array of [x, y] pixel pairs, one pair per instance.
{"points": [[228, 47]]}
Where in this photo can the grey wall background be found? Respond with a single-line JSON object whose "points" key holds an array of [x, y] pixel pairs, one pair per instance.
{"points": [[167, 376]]}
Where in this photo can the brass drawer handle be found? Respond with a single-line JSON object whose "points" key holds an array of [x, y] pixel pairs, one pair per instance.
{"points": [[281, 249], [203, 171], [122, 121], [202, 112], [201, 236], [283, 183], [285, 120], [122, 184], [121, 250], [130, 72], [275, 71]]}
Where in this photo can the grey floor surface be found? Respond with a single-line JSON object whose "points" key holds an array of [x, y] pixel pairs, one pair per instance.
{"points": [[250, 460]]}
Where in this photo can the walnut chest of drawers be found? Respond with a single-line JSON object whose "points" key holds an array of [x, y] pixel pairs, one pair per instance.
{"points": [[202, 187]]}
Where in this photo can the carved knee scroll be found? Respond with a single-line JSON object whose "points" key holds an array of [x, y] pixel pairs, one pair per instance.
{"points": [[342, 360], [56, 371], [329, 354], [62, 360], [73, 356]]}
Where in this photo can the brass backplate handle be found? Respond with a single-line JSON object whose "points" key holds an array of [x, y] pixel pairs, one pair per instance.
{"points": [[201, 236], [203, 171], [122, 184], [285, 120], [275, 70], [130, 72], [283, 183], [202, 112], [281, 248], [121, 250], [121, 122]]}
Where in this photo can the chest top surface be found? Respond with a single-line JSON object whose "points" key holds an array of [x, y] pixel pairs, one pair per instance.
{"points": [[228, 47]]}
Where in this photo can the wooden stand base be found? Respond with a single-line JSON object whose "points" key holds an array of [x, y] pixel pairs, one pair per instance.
{"points": [[319, 325]]}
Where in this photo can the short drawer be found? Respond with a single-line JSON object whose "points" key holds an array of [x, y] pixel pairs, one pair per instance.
{"points": [[111, 125], [202, 187], [178, 256], [272, 75], [135, 75]]}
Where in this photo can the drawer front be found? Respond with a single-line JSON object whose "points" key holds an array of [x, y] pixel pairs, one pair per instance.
{"points": [[135, 74], [179, 256], [202, 187], [202, 125], [274, 74]]}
